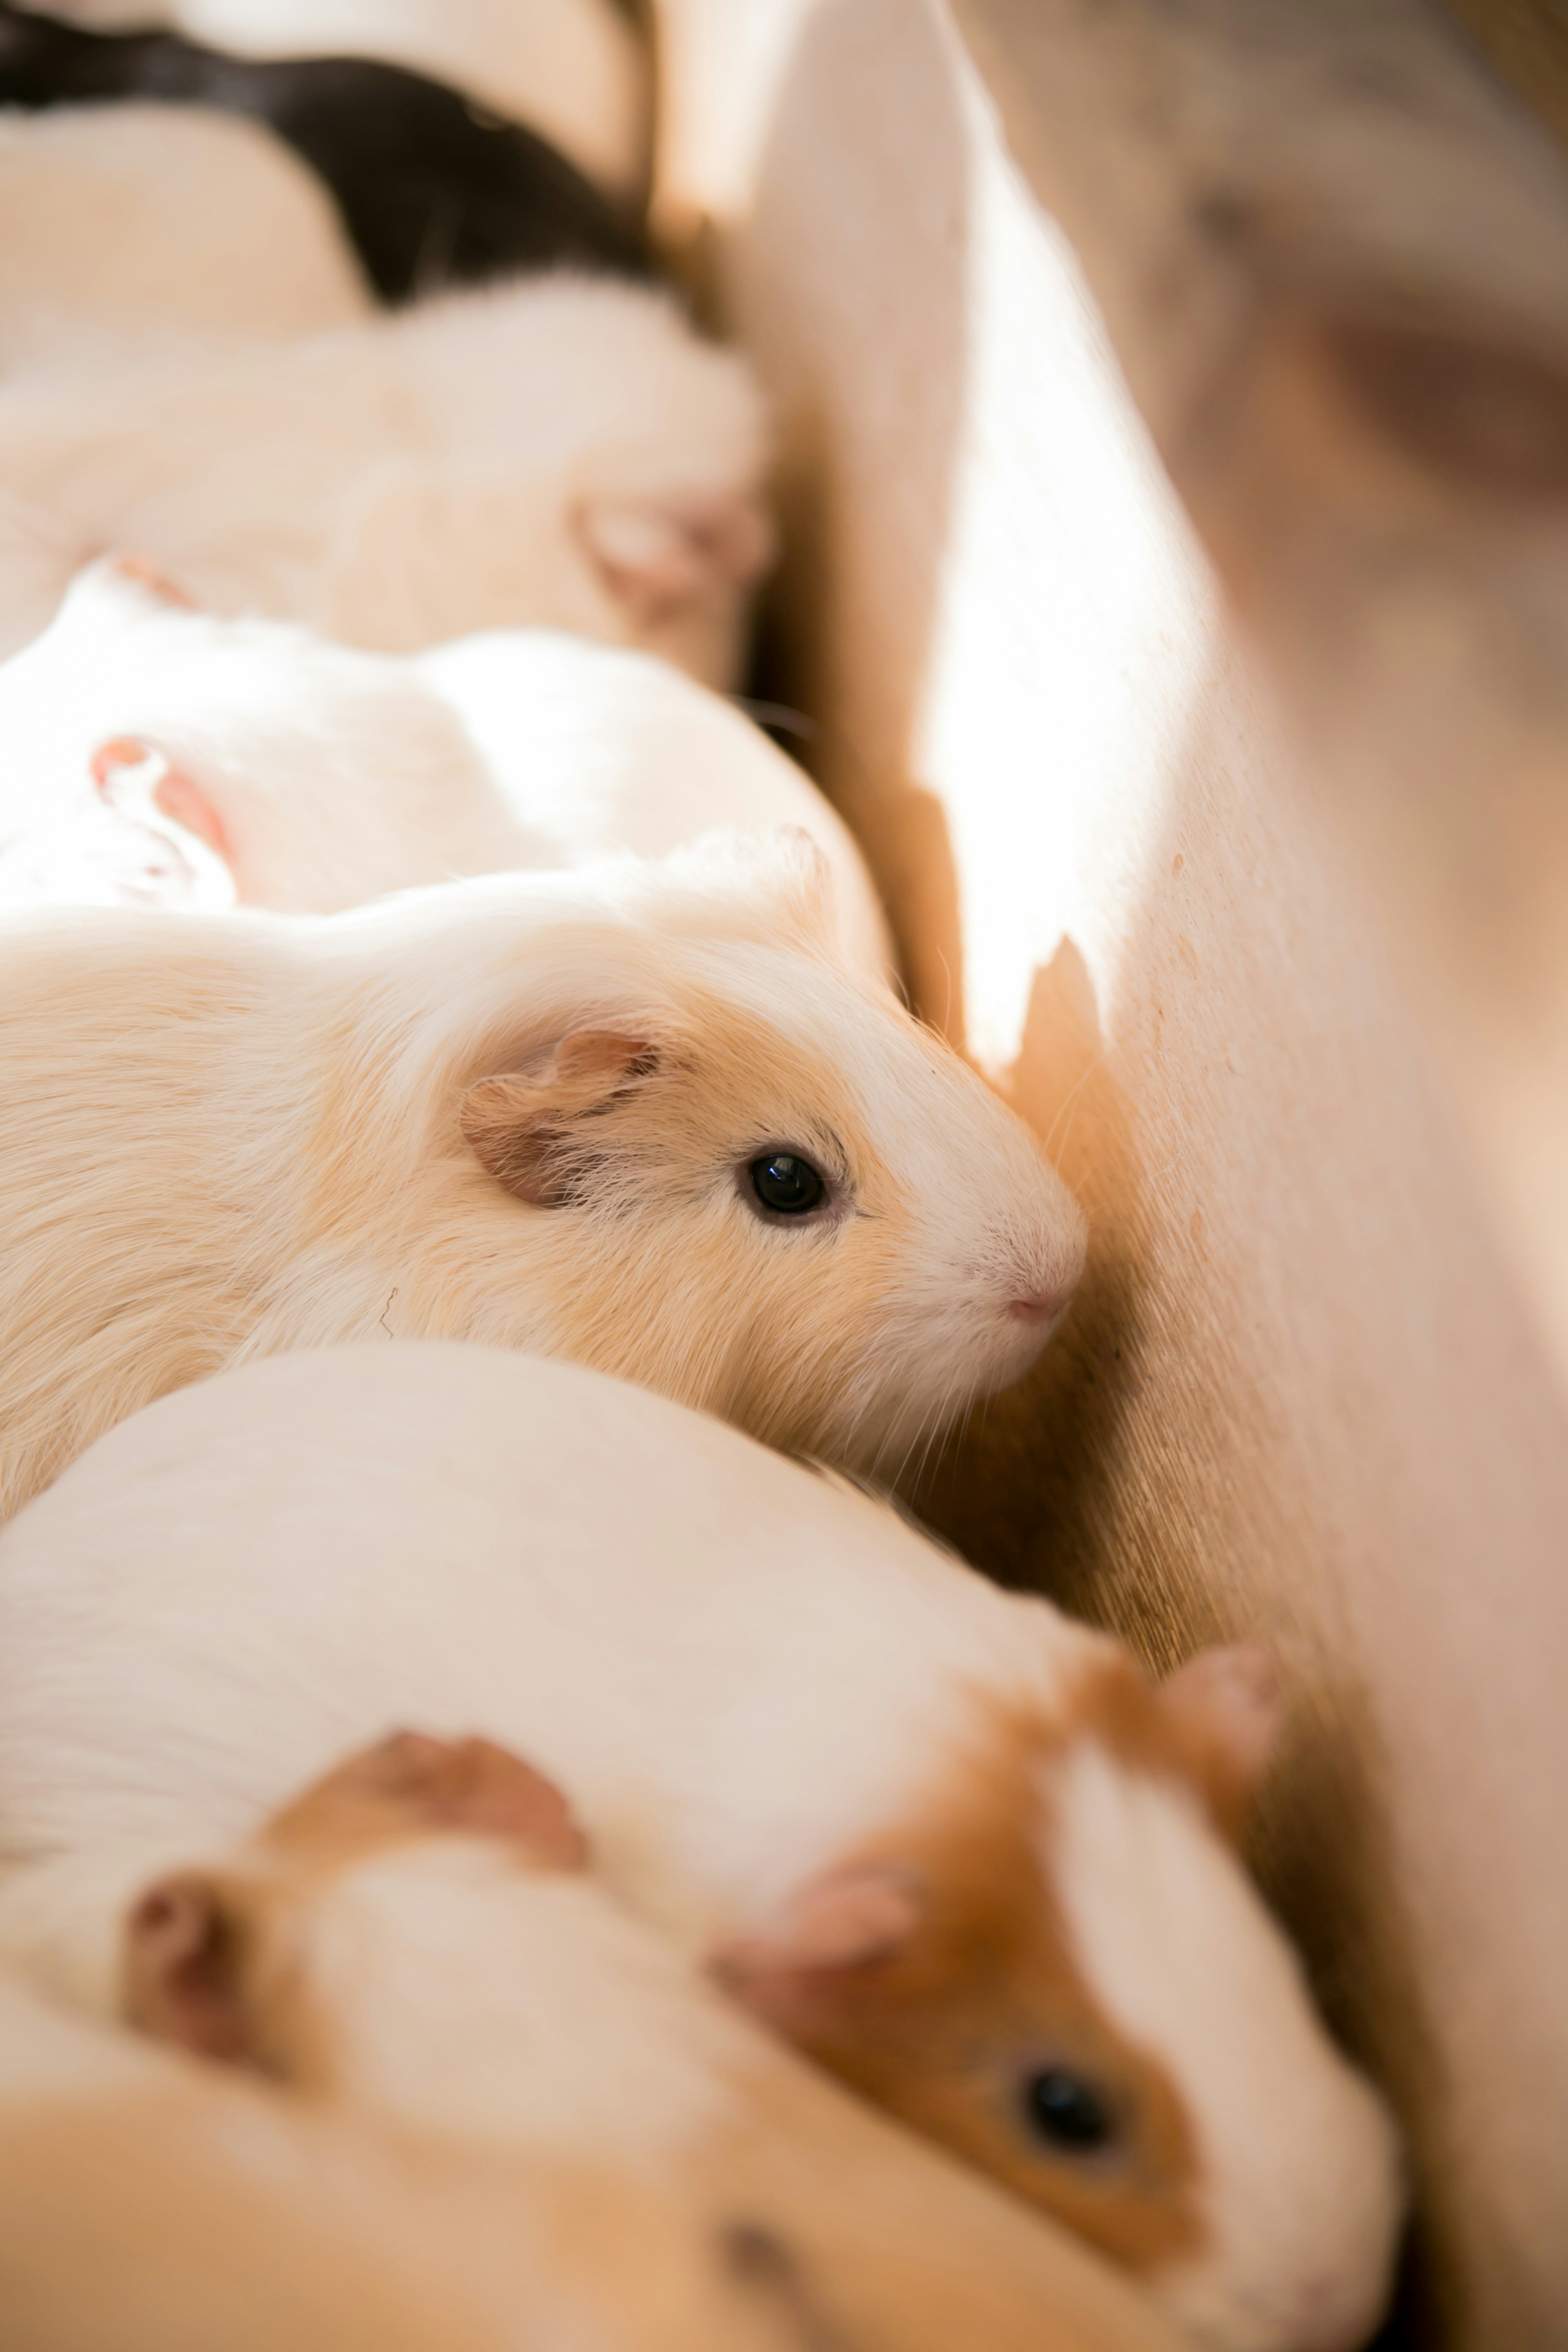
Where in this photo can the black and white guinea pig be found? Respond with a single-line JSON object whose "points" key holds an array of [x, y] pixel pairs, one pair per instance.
{"points": [[323, 777], [563, 451], [433, 190], [955, 1846], [135, 216], [576, 71], [643, 1115]]}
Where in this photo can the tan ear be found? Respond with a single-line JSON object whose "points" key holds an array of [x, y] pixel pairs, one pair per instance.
{"points": [[127, 766], [184, 1962], [658, 555], [828, 1943], [523, 1129], [412, 1784], [1226, 1706]]}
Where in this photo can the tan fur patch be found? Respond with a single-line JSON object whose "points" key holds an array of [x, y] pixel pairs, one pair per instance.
{"points": [[943, 2030]]}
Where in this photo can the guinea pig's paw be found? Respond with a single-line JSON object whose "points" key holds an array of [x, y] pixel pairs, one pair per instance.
{"points": [[659, 553], [127, 770], [524, 1129], [411, 1784]]}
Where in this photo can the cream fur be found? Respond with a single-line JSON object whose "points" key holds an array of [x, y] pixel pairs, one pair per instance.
{"points": [[562, 451], [743, 1676], [137, 216], [228, 1137], [335, 775], [572, 68]]}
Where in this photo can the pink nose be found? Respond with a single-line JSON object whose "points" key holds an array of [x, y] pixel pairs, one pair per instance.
{"points": [[1039, 1306]]}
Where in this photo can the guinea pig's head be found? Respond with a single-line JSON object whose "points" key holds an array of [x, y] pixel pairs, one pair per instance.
{"points": [[754, 1184], [1061, 1971]]}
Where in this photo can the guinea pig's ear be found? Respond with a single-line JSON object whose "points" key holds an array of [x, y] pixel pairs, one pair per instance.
{"points": [[1225, 1708], [826, 1944], [183, 1966], [410, 1783], [657, 555], [127, 767], [527, 1130]]}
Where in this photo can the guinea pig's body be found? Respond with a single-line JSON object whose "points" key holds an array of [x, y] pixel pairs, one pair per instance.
{"points": [[152, 216], [325, 777], [564, 451], [642, 1115], [415, 1944], [952, 1845], [573, 69]]}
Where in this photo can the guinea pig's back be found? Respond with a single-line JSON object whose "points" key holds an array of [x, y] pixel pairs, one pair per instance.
{"points": [[602, 751], [165, 215], [261, 1573]]}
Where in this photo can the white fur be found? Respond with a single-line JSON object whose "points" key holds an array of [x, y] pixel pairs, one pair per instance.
{"points": [[1166, 1930], [739, 1672], [137, 216], [573, 69], [239, 1135], [337, 775], [562, 450]]}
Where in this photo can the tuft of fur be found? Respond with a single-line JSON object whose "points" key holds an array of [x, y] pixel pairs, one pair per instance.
{"points": [[232, 1136], [936, 1834], [332, 776], [138, 216], [563, 451]]}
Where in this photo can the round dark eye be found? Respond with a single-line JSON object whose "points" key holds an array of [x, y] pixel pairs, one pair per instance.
{"points": [[786, 1183], [1069, 2112]]}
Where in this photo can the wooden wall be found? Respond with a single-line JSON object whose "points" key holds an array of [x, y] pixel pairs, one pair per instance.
{"points": [[1177, 579]]}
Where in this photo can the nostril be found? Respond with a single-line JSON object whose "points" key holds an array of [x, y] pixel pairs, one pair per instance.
{"points": [[1037, 1307]]}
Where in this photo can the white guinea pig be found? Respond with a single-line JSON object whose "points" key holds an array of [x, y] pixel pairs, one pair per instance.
{"points": [[415, 1943], [561, 450], [324, 776], [163, 216], [954, 1845], [642, 1115], [574, 69]]}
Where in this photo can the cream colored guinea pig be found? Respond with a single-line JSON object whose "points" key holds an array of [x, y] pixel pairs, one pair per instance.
{"points": [[641, 1115], [163, 216], [323, 776], [561, 450], [574, 69], [417, 1943], [954, 1845]]}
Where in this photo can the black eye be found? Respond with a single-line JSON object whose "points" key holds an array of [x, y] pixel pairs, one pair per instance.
{"points": [[786, 1183], [1068, 2111]]}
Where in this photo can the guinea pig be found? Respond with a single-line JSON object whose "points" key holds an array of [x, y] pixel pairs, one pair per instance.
{"points": [[574, 69], [562, 451], [171, 216], [151, 2205], [325, 776], [432, 191], [955, 1846], [641, 1115], [417, 1943]]}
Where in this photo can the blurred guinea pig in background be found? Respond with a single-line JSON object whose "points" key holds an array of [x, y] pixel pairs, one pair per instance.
{"points": [[322, 776], [136, 216], [643, 1115], [562, 451], [417, 1942], [955, 1846], [433, 189], [576, 71]]}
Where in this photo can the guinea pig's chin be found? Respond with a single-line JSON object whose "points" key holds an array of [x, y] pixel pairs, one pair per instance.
{"points": [[1221, 2317]]}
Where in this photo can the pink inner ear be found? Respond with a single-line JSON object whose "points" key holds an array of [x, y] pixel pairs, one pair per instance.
{"points": [[174, 793], [657, 554], [471, 1786], [1231, 1698], [823, 1939], [136, 568], [181, 1975]]}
